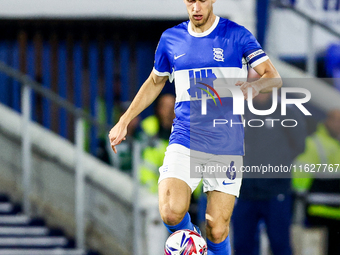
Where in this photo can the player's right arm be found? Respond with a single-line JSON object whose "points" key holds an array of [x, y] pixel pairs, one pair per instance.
{"points": [[148, 92]]}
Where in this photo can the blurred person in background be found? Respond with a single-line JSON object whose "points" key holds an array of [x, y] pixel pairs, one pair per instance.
{"points": [[153, 135], [124, 159], [156, 130], [267, 197], [318, 179]]}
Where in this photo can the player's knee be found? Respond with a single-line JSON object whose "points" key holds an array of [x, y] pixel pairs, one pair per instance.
{"points": [[172, 215], [217, 231], [218, 234]]}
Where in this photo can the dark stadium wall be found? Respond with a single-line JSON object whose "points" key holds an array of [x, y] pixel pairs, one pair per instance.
{"points": [[84, 61]]}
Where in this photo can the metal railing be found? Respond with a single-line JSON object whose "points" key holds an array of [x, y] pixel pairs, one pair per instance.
{"points": [[311, 61], [29, 85]]}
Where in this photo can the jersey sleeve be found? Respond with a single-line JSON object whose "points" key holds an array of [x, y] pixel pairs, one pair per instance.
{"points": [[251, 49], [162, 65]]}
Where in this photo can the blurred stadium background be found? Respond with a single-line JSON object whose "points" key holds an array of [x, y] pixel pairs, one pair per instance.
{"points": [[66, 70]]}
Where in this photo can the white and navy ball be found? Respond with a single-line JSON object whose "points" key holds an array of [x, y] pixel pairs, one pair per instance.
{"points": [[185, 242]]}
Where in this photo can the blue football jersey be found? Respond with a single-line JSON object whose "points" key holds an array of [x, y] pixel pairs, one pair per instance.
{"points": [[203, 67]]}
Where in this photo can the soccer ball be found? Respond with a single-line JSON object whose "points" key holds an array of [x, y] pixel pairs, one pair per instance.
{"points": [[185, 242]]}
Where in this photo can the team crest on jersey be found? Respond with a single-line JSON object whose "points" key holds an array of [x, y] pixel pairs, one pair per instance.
{"points": [[218, 54]]}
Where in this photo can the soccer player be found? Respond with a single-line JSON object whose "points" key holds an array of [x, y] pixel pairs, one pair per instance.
{"points": [[199, 55]]}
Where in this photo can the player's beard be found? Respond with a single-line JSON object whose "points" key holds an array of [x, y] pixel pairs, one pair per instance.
{"points": [[202, 22]]}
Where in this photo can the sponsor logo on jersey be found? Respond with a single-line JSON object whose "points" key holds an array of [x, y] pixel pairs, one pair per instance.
{"points": [[227, 183], [201, 82], [177, 57], [201, 86]]}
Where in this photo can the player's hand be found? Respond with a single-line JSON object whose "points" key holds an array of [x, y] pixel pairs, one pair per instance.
{"points": [[244, 86], [117, 135]]}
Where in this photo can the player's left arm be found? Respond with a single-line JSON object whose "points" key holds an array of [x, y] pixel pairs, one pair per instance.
{"points": [[270, 78]]}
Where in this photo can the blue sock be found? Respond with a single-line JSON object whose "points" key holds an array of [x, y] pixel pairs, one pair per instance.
{"points": [[184, 224], [222, 248]]}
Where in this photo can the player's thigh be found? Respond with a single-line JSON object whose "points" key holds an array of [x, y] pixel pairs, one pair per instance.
{"points": [[220, 206], [175, 184], [174, 196]]}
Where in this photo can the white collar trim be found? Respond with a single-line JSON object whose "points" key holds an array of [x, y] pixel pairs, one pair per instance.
{"points": [[205, 33]]}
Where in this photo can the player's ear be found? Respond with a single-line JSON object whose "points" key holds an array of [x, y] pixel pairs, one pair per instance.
{"points": [[213, 1]]}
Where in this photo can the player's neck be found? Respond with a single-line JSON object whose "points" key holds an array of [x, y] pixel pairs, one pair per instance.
{"points": [[206, 26]]}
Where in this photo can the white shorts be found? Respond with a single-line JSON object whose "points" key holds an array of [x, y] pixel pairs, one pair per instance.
{"points": [[219, 172]]}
